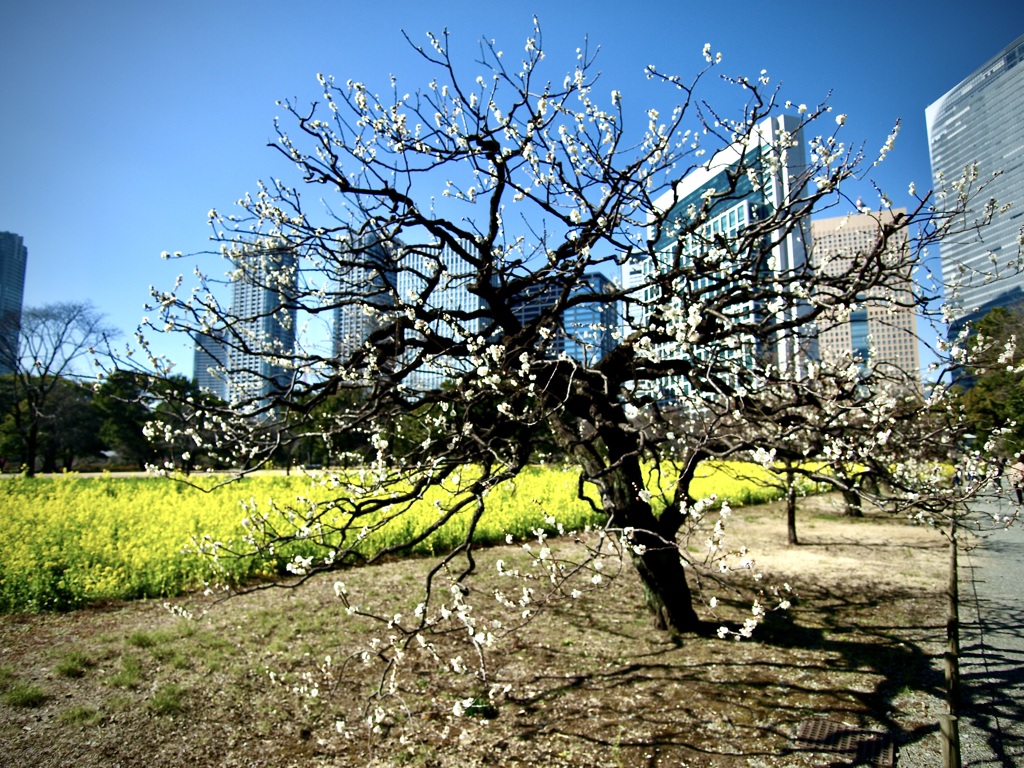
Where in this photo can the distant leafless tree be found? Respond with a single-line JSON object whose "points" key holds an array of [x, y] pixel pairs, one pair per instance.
{"points": [[56, 343]]}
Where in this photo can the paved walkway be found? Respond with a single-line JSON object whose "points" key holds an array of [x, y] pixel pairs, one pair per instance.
{"points": [[992, 649]]}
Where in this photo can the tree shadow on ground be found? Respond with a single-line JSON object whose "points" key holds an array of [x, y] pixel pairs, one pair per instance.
{"points": [[992, 679], [639, 697]]}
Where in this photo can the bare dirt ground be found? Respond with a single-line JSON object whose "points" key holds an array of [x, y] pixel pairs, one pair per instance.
{"points": [[591, 683]]}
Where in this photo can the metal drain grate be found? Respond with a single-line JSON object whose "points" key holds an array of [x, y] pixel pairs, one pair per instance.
{"points": [[853, 746]]}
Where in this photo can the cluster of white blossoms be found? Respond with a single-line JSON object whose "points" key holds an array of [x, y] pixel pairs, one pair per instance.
{"points": [[542, 573], [308, 685], [716, 59]]}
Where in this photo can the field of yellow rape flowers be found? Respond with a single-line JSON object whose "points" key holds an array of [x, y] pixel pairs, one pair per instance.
{"points": [[69, 541]]}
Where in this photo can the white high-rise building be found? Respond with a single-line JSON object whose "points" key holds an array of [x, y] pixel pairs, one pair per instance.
{"points": [[266, 324], [980, 122], [742, 202]]}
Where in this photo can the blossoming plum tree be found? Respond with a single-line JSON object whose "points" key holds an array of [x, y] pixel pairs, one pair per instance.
{"points": [[510, 191]]}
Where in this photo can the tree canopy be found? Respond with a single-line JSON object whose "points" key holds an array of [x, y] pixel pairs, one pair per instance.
{"points": [[993, 399], [465, 223]]}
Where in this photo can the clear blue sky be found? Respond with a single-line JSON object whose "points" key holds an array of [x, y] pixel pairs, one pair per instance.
{"points": [[123, 123]]}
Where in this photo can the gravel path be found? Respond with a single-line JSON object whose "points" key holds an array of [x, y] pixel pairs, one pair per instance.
{"points": [[992, 649]]}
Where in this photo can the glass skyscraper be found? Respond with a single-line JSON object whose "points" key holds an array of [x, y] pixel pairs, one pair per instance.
{"points": [[13, 258], [746, 203], [587, 328], [362, 290], [981, 121], [463, 312], [208, 364], [263, 280]]}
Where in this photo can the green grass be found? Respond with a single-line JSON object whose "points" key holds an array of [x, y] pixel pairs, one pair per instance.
{"points": [[73, 664], [143, 639], [18, 693], [81, 714], [168, 700], [7, 677], [173, 657], [129, 675], [25, 695]]}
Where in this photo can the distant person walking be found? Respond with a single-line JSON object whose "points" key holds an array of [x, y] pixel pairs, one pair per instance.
{"points": [[1017, 477], [998, 469]]}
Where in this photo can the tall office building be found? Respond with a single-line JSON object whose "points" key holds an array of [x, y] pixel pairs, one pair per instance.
{"points": [[208, 364], [630, 277], [363, 287], [13, 258], [264, 279], [464, 313], [883, 329], [746, 203], [979, 121], [587, 329]]}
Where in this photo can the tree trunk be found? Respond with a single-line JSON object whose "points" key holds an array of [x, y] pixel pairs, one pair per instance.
{"points": [[49, 459], [948, 724], [654, 552], [852, 499], [791, 507], [850, 495], [666, 591], [31, 449], [952, 655]]}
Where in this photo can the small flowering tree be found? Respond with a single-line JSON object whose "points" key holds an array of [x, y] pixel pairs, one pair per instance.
{"points": [[873, 436], [462, 225]]}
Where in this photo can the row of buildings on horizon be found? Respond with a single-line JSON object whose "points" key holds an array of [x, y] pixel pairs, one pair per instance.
{"points": [[226, 363], [976, 122]]}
